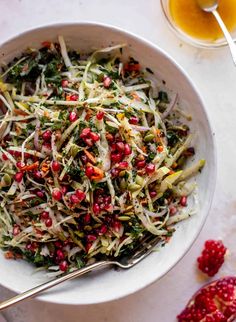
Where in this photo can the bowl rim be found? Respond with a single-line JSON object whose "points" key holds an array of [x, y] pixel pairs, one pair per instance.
{"points": [[200, 43], [213, 165]]}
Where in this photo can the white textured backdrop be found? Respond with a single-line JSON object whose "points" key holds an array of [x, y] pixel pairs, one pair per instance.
{"points": [[215, 76]]}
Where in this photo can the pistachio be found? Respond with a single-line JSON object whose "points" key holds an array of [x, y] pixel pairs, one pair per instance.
{"points": [[130, 213], [149, 137], [122, 173], [124, 218], [88, 228], [123, 183], [79, 234], [139, 180], [74, 150], [6, 180], [134, 187]]}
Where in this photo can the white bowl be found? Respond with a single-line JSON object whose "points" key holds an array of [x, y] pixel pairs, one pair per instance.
{"points": [[109, 285]]}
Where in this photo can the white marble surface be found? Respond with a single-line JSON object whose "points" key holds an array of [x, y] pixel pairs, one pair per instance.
{"points": [[214, 74]]}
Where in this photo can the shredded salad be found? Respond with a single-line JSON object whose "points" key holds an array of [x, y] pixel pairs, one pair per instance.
{"points": [[93, 157]]}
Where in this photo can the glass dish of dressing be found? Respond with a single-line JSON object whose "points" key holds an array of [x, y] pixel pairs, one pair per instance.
{"points": [[197, 27]]}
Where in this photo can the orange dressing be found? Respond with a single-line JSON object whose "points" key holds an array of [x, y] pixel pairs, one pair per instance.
{"points": [[199, 24]]}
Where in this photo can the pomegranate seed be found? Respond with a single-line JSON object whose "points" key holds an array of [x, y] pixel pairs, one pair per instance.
{"points": [[63, 266], [134, 120], [96, 208], [107, 200], [127, 149], [84, 159], [47, 135], [40, 193], [4, 157], [73, 97], [73, 116], [60, 255], [66, 242], [48, 222], [107, 81], [150, 168], [212, 257], [58, 244], [173, 210], [88, 246], [47, 146], [183, 201], [64, 83], [64, 189], [109, 137], [120, 146], [20, 164], [87, 218], [16, 230], [37, 175], [89, 142], [31, 247], [115, 172], [152, 194], [108, 208], [74, 199], [100, 115], [55, 166], [80, 194], [113, 147], [123, 165], [89, 171], [116, 157], [18, 176], [102, 230], [141, 164], [91, 238], [56, 194], [116, 225], [44, 215], [102, 206], [85, 132], [94, 136]]}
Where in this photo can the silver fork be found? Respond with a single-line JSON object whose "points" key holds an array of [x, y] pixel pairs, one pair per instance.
{"points": [[139, 253]]}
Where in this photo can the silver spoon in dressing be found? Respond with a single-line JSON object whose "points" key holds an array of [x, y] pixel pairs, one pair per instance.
{"points": [[211, 6]]}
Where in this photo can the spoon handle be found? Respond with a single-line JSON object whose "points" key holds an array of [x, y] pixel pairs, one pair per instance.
{"points": [[227, 35]]}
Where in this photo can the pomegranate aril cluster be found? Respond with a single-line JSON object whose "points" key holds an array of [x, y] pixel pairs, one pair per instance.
{"points": [[215, 302], [212, 257], [89, 137]]}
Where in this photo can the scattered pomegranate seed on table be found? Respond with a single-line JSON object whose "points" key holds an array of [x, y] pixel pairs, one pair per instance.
{"points": [[212, 257]]}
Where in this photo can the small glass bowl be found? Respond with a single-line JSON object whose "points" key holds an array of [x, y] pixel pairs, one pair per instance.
{"points": [[203, 43]]}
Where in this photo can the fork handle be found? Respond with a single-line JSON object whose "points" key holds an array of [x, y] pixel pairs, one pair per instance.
{"points": [[43, 287]]}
